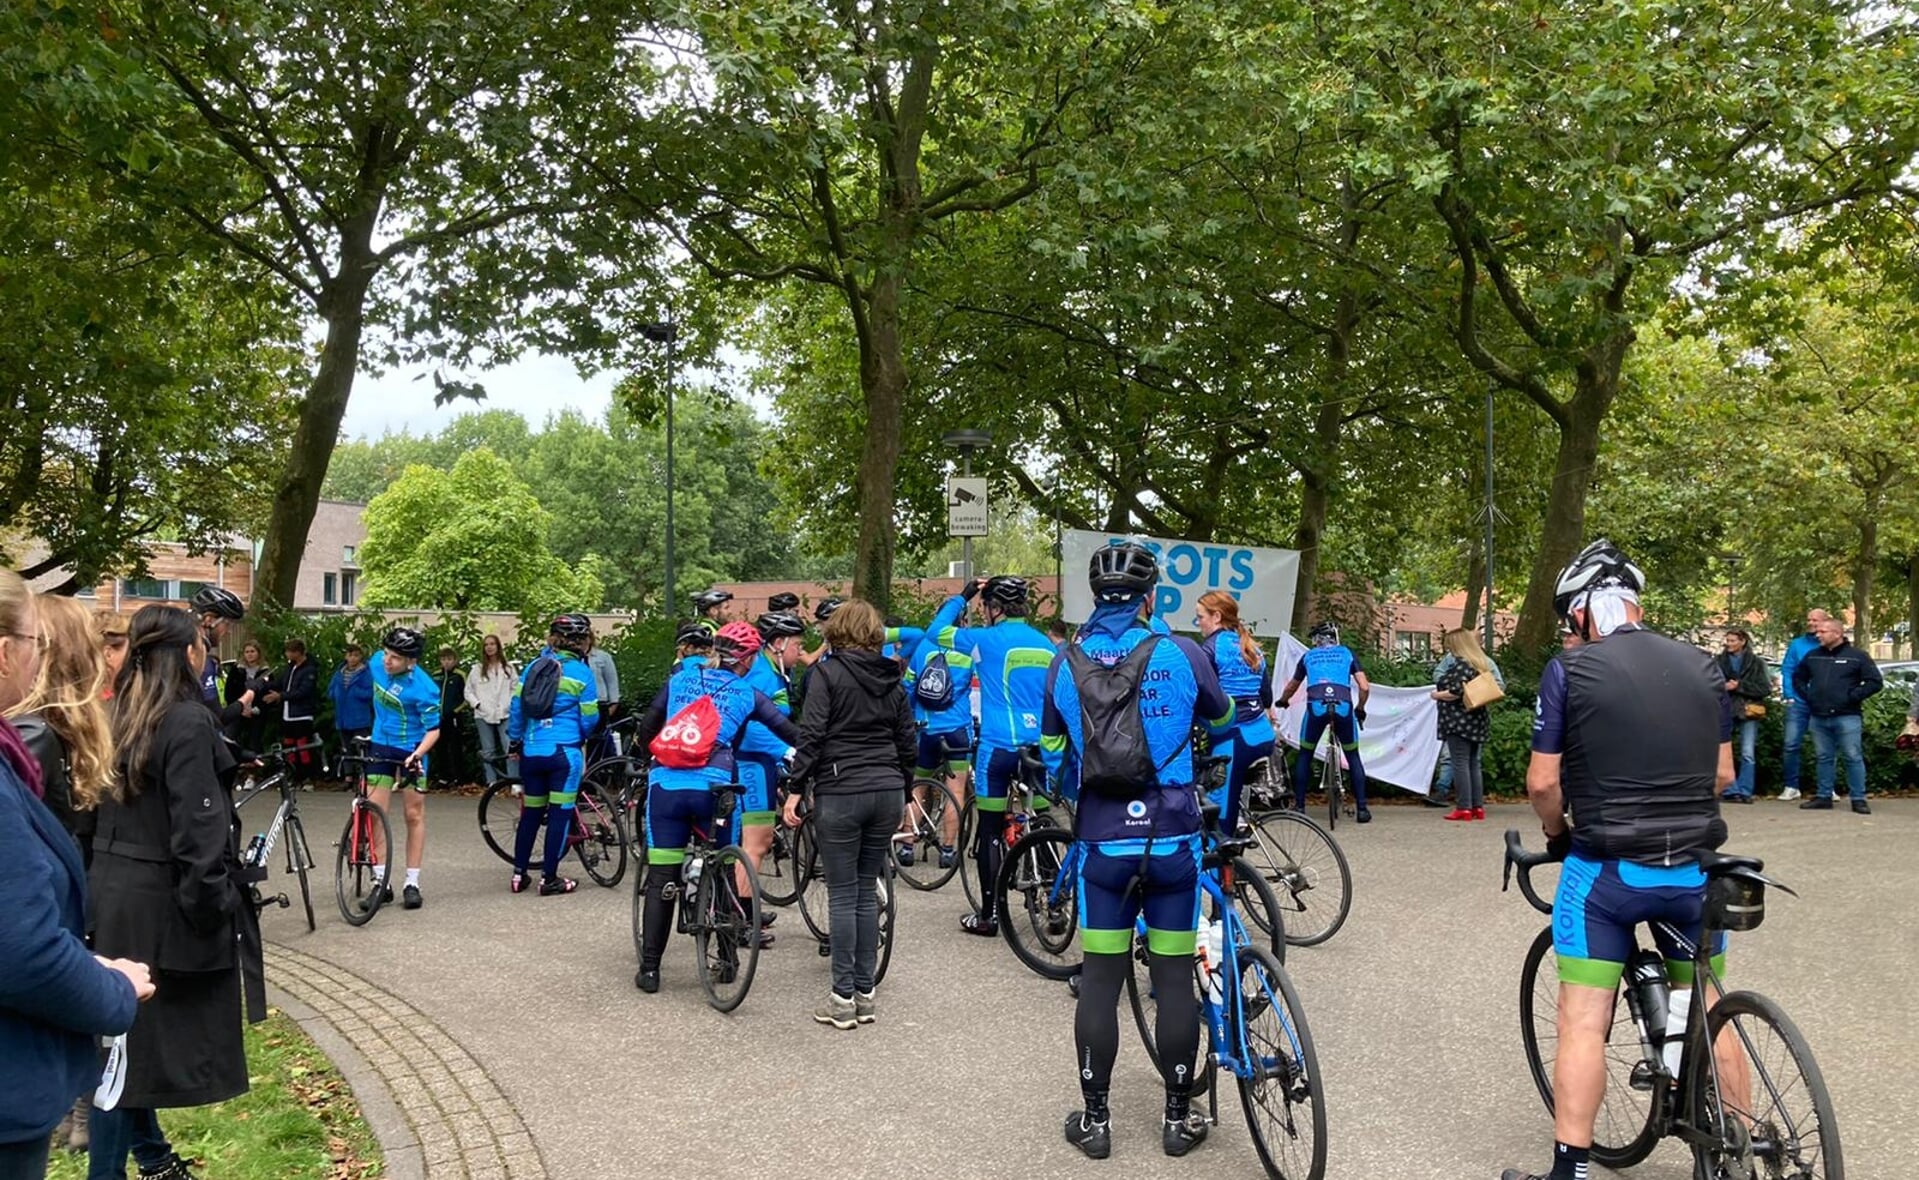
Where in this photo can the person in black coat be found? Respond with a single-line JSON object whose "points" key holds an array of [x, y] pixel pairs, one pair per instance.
{"points": [[855, 755], [294, 696], [166, 885]]}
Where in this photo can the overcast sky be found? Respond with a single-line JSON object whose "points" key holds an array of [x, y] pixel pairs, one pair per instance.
{"points": [[535, 386]]}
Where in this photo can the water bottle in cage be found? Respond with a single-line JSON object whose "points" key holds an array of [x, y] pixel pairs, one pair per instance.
{"points": [[1650, 997], [256, 854]]}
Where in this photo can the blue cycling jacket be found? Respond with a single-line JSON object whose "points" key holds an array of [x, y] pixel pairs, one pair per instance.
{"points": [[576, 708], [1250, 685], [766, 678], [1178, 692], [405, 707], [1010, 659], [959, 667], [737, 703], [1327, 674]]}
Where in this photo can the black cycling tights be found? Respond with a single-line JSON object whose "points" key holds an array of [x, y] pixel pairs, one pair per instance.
{"points": [[1096, 1024], [990, 849], [657, 919]]}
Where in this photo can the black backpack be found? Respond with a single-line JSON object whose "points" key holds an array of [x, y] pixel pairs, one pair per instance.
{"points": [[540, 690], [1115, 760], [933, 688]]}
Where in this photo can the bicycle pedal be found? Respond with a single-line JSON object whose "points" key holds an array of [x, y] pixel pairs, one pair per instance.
{"points": [[1644, 1079]]}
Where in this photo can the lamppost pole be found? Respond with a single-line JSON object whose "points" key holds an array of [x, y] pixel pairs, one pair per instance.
{"points": [[667, 332], [1489, 520]]}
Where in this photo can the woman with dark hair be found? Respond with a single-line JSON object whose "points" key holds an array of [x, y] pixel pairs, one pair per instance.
{"points": [[1748, 684], [55, 998], [165, 892], [855, 755]]}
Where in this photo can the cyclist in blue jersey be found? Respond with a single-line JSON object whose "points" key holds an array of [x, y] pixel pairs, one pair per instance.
{"points": [[679, 799], [1010, 658], [552, 759], [693, 646], [1332, 677], [706, 609], [218, 610], [945, 724], [406, 725], [1142, 840], [762, 751], [1245, 676]]}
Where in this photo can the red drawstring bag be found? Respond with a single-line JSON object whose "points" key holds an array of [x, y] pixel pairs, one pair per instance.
{"points": [[686, 741]]}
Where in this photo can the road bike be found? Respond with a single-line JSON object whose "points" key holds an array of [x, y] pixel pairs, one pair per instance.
{"points": [[810, 874], [1255, 1030], [1746, 1096], [1332, 775], [597, 837], [360, 860], [270, 773], [1033, 801], [719, 906], [1301, 860]]}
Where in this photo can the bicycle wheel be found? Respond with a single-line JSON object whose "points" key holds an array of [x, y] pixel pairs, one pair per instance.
{"points": [[1773, 1116], [1280, 1086], [500, 806], [364, 842], [889, 899], [601, 837], [927, 816], [1038, 902], [968, 861], [1332, 782], [726, 927], [779, 869], [299, 860], [621, 781], [1624, 1132], [1139, 992], [639, 904], [812, 881], [1258, 906], [1308, 873]]}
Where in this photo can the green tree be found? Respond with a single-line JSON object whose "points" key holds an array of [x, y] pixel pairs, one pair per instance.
{"points": [[473, 538]]}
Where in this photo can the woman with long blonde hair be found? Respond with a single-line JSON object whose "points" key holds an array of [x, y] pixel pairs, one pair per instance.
{"points": [[62, 718], [1247, 677], [1464, 729]]}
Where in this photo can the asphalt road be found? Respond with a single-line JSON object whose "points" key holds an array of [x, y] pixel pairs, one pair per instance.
{"points": [[1414, 1006]]}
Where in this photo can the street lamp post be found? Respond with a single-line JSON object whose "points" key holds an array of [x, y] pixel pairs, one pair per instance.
{"points": [[667, 332], [1489, 520], [966, 442]]}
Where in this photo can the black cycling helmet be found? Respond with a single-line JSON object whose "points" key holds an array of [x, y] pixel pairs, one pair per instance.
{"points": [[776, 624], [694, 635], [825, 608], [405, 641], [1595, 567], [1005, 592], [572, 628], [211, 600], [785, 602], [708, 599], [1324, 635], [1119, 573]]}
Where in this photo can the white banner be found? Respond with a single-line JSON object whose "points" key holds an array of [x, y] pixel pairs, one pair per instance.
{"points": [[1400, 741], [1262, 580]]}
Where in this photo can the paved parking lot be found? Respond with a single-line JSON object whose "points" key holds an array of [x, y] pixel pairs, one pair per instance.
{"points": [[969, 1072]]}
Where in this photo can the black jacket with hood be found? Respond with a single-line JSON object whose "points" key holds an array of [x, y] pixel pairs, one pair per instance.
{"points": [[856, 729]]}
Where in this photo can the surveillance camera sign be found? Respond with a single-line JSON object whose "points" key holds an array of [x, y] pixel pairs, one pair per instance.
{"points": [[966, 506], [1262, 581]]}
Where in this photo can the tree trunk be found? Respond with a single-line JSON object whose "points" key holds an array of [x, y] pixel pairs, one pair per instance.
{"points": [[1864, 568], [1315, 493], [1563, 532], [883, 381], [297, 496], [1475, 583]]}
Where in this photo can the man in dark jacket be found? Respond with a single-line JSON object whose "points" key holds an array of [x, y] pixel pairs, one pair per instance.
{"points": [[1834, 679], [296, 691]]}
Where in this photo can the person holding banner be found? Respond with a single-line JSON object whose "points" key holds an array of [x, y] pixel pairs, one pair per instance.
{"points": [[1332, 675], [1246, 677]]}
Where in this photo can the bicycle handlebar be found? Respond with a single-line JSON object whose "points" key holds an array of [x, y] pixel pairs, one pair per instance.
{"points": [[1517, 857]]}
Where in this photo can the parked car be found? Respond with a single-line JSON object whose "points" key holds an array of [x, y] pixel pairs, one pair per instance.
{"points": [[1902, 677]]}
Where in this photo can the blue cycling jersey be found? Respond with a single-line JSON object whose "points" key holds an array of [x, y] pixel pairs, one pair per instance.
{"points": [[576, 708], [1179, 690], [736, 702], [405, 707], [1250, 685], [766, 678], [1010, 659], [959, 668], [1327, 673]]}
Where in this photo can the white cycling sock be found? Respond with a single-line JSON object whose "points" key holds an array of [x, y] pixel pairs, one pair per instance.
{"points": [[413, 878]]}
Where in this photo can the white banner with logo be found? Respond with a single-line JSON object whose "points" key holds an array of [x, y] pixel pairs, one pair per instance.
{"points": [[1400, 741], [1262, 580]]}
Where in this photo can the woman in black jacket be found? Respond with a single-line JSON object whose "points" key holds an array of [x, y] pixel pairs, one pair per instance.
{"points": [[165, 853], [856, 752]]}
